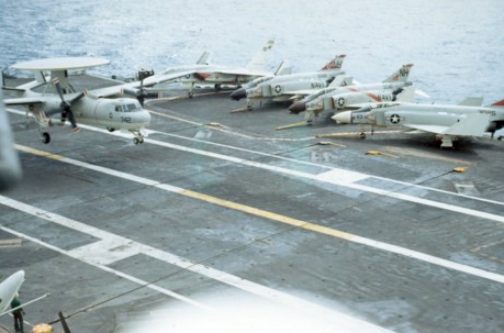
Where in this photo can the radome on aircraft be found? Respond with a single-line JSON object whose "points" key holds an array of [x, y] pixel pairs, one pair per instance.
{"points": [[91, 107]]}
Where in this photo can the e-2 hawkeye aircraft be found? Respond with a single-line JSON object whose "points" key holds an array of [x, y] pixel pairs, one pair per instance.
{"points": [[352, 97], [86, 107], [203, 72], [449, 122], [283, 88]]}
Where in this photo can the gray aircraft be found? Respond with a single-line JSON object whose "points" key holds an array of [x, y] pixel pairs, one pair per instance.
{"points": [[351, 97], [217, 75], [285, 88], [86, 107], [448, 122]]}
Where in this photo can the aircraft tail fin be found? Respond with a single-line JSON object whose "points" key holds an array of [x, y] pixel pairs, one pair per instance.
{"points": [[472, 101], [204, 59], [498, 104], [335, 63], [283, 70], [400, 75], [258, 62], [406, 94], [341, 81]]}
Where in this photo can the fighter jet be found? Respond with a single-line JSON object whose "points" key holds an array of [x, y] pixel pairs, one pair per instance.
{"points": [[10, 171], [8, 289], [286, 87], [86, 107], [448, 122], [217, 75], [351, 97]]}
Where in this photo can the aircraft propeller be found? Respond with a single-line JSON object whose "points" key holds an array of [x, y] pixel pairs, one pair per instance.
{"points": [[66, 106], [141, 93]]}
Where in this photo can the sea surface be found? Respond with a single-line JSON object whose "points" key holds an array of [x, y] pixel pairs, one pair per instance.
{"points": [[457, 46]]}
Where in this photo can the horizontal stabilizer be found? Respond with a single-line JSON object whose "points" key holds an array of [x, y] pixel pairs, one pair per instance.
{"points": [[472, 101]]}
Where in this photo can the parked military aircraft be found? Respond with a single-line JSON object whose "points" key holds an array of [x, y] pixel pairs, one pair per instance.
{"points": [[8, 289], [205, 73], [468, 119], [87, 107], [286, 87], [10, 171], [351, 97]]}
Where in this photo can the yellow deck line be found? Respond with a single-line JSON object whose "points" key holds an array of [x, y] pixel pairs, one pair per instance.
{"points": [[275, 217]]}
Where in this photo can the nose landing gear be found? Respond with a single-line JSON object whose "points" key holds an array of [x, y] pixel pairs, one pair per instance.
{"points": [[139, 137]]}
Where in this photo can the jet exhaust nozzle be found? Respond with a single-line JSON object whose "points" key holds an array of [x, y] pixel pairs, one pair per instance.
{"points": [[297, 107], [238, 94]]}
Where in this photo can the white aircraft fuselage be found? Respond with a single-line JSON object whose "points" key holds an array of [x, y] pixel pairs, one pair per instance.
{"points": [[116, 114], [274, 88], [395, 114], [9, 288]]}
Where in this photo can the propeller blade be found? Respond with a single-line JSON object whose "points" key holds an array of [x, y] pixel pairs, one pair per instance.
{"points": [[59, 90]]}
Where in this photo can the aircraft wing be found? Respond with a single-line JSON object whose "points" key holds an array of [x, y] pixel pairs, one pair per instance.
{"points": [[240, 72], [472, 125], [148, 82], [24, 101]]}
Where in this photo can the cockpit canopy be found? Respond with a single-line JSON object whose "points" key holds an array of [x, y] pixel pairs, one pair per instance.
{"points": [[128, 107]]}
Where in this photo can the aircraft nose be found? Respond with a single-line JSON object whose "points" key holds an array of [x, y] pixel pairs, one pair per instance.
{"points": [[144, 118], [297, 107], [344, 117], [238, 94]]}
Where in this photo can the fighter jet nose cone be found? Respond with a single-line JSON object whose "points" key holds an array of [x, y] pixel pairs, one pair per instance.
{"points": [[343, 117], [239, 94], [297, 107]]}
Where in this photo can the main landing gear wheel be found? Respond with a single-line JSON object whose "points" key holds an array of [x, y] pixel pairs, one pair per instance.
{"points": [[138, 140], [218, 87], [190, 94], [362, 135], [110, 129], [46, 138]]}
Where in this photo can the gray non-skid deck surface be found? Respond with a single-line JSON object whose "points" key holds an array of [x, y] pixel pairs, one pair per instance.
{"points": [[388, 289]]}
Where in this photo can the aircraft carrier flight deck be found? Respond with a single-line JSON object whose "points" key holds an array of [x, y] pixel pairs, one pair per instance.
{"points": [[391, 230]]}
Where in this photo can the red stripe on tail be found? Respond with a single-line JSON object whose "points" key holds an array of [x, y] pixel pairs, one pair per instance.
{"points": [[499, 103]]}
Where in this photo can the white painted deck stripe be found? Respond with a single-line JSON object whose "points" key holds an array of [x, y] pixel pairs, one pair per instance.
{"points": [[155, 142], [302, 224], [351, 323], [301, 174], [107, 269]]}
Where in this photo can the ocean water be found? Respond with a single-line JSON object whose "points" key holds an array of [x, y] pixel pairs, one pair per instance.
{"points": [[456, 45]]}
